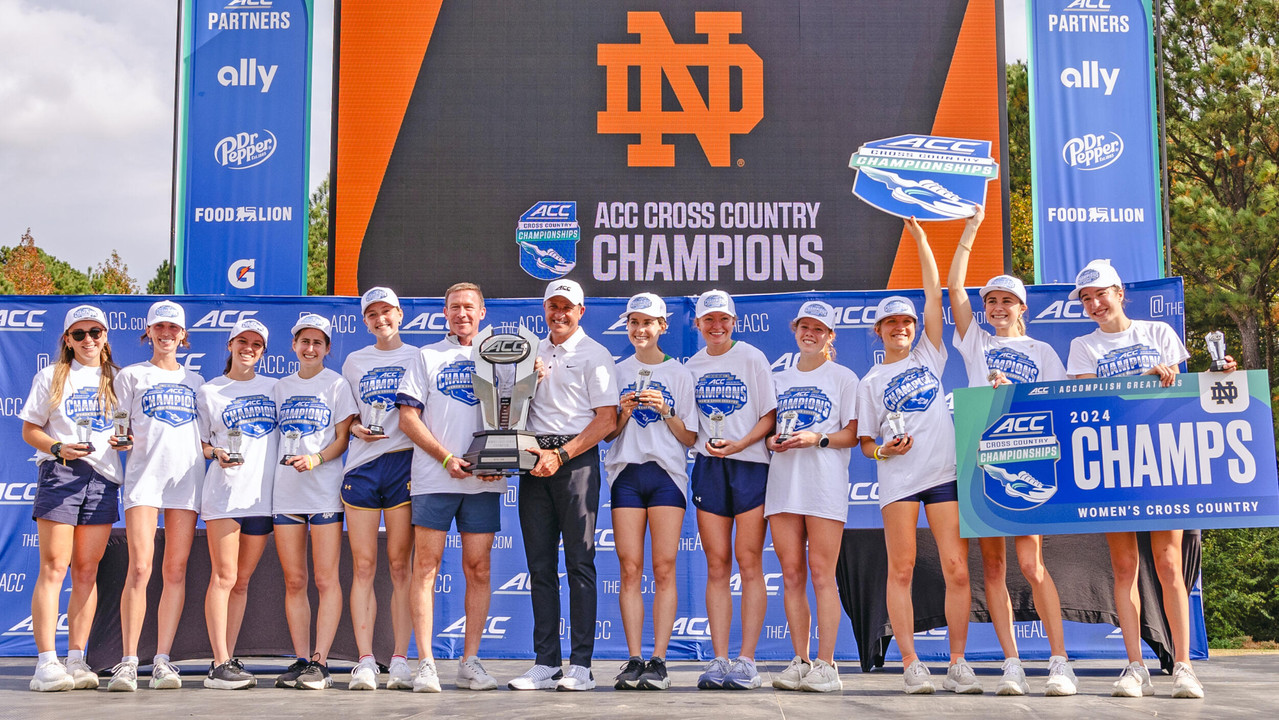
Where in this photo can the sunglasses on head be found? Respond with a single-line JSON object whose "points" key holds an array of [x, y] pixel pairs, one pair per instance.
{"points": [[94, 333]]}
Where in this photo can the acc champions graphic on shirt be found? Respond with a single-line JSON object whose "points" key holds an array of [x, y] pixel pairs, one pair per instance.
{"points": [[809, 403], [925, 176], [1125, 360], [644, 414], [722, 391], [254, 415], [547, 234], [83, 403], [454, 381], [911, 391], [170, 403], [381, 384], [1016, 365], [305, 414]]}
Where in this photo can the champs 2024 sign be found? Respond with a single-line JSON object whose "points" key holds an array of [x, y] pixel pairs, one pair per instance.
{"points": [[1117, 454]]}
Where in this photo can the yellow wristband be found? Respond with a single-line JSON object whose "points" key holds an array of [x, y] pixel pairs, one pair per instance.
{"points": [[877, 455], [445, 464]]}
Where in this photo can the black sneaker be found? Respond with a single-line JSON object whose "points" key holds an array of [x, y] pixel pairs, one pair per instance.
{"points": [[289, 678], [629, 677], [314, 677], [230, 675], [654, 676]]}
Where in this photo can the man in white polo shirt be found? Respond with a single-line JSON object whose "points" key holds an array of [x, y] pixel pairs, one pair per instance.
{"points": [[574, 408]]}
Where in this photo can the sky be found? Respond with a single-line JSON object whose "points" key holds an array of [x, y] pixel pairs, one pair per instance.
{"points": [[86, 135]]}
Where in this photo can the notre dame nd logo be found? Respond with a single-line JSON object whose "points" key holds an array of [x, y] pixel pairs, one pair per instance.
{"points": [[708, 118]]}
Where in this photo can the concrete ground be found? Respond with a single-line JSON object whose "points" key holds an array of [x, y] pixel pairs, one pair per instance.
{"points": [[1237, 686]]}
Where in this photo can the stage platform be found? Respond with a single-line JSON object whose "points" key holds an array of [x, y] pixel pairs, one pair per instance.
{"points": [[1238, 686]]}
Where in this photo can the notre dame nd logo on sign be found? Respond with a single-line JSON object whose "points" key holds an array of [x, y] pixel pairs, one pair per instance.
{"points": [[709, 118]]}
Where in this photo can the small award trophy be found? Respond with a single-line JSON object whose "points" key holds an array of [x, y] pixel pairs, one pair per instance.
{"points": [[786, 425], [501, 448], [1216, 341], [291, 440], [717, 429], [234, 439], [84, 431], [897, 422], [642, 380], [377, 415], [120, 419]]}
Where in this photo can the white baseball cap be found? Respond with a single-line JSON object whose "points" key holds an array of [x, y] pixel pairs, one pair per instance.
{"points": [[378, 294], [1008, 284], [315, 322], [244, 325], [715, 301], [819, 311], [84, 312], [1096, 274], [895, 305], [567, 289], [646, 304], [167, 311]]}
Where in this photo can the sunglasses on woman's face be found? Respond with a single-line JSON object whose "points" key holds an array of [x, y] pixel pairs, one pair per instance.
{"points": [[78, 335]]}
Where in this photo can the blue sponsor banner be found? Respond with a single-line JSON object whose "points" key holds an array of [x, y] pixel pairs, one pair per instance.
{"points": [[245, 139], [1094, 144], [1117, 454], [924, 176]]}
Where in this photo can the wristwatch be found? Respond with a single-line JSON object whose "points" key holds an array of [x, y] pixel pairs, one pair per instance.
{"points": [[824, 441], [562, 454], [670, 412], [56, 450]]}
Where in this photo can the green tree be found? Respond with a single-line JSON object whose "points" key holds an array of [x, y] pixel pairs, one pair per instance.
{"points": [[317, 247], [1017, 165], [112, 277], [162, 283], [24, 269], [1241, 597]]}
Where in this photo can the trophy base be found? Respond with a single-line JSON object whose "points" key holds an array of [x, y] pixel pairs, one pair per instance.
{"points": [[235, 459], [501, 452], [902, 436], [122, 442], [88, 447], [376, 430], [287, 459], [717, 442], [1217, 366]]}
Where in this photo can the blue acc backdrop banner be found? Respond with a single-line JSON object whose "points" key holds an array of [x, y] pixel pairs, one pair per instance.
{"points": [[33, 326], [1117, 454], [1094, 145], [245, 124]]}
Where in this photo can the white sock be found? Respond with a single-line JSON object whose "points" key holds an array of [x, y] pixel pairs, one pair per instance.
{"points": [[161, 658], [130, 659], [75, 655], [46, 656]]}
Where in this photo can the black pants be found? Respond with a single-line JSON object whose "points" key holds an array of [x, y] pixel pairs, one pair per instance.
{"points": [[564, 504]]}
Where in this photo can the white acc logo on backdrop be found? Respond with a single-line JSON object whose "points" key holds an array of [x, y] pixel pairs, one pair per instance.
{"points": [[241, 274]]}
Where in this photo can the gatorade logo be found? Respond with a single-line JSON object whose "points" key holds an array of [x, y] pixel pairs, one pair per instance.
{"points": [[709, 118]]}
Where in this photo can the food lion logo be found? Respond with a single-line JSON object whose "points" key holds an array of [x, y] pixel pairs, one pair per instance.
{"points": [[1092, 152], [244, 150], [657, 55]]}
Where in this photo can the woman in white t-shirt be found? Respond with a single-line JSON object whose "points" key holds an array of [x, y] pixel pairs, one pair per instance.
{"points": [[647, 471], [902, 401], [733, 386], [67, 420], [1118, 347], [314, 410], [807, 498], [1009, 356], [237, 417], [163, 473]]}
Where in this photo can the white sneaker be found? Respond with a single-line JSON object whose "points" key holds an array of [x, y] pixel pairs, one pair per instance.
{"points": [[538, 677], [1061, 678], [961, 679], [364, 676], [426, 679], [1014, 680], [1185, 684], [399, 676], [790, 677], [165, 676], [1133, 682], [917, 680], [52, 677], [471, 675], [124, 678], [576, 678], [84, 676], [823, 677]]}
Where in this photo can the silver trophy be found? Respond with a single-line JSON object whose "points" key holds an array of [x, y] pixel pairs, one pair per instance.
{"points": [[84, 431], [234, 442], [897, 423], [1216, 341], [642, 380], [292, 438], [717, 429], [501, 448], [120, 420], [786, 425], [377, 415]]}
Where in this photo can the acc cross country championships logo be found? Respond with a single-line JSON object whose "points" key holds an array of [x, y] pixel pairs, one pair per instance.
{"points": [[547, 234], [929, 177]]}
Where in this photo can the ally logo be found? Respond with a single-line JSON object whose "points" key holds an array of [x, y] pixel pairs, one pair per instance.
{"points": [[927, 176], [547, 234]]}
